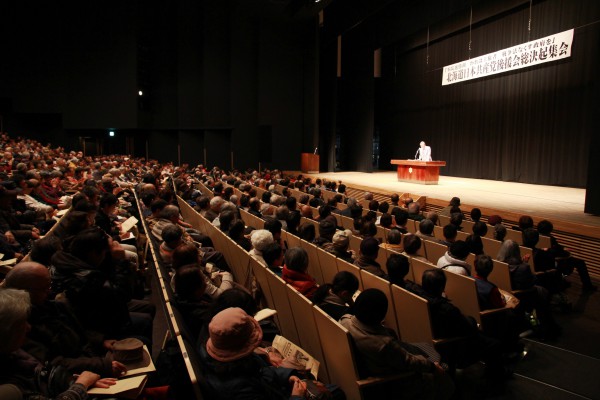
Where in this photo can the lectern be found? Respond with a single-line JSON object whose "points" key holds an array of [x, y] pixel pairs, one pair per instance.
{"points": [[423, 172], [310, 163]]}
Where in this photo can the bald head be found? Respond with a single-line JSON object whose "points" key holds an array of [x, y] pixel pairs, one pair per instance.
{"points": [[32, 277], [306, 211]]}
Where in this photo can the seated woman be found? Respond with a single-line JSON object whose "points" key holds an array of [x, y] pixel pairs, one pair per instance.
{"points": [[18, 368], [294, 272], [231, 368], [191, 298]]}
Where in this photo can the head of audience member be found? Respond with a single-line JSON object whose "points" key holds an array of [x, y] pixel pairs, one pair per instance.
{"points": [[307, 232], [216, 203], [304, 198], [260, 239], [484, 266], [91, 246], [108, 203], [454, 202], [236, 231], [407, 201], [480, 228], [384, 207], [306, 212], [412, 244], [459, 250], [545, 227], [293, 221], [370, 307], [233, 335], [394, 198], [43, 249], [531, 237], [73, 223], [282, 213], [185, 254], [397, 267], [368, 196], [172, 236], [226, 218], [32, 277], [426, 227], [327, 229], [386, 220], [394, 237], [344, 285], [234, 297], [525, 222], [296, 259], [368, 229], [324, 211], [456, 219], [369, 248], [413, 208], [434, 282], [401, 217], [156, 207], [450, 232], [14, 311], [494, 220], [373, 205], [190, 284], [273, 255], [433, 217], [291, 203], [254, 204], [499, 232], [341, 240], [274, 226], [170, 213], [510, 252], [476, 214]]}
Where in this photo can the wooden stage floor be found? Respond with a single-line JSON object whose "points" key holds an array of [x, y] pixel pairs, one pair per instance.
{"points": [[551, 202]]}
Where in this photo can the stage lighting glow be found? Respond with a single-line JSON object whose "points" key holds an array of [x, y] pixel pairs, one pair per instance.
{"points": [[111, 133], [140, 93]]}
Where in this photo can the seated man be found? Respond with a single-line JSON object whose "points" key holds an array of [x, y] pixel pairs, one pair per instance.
{"points": [[426, 231], [56, 335], [488, 294], [398, 266], [369, 250], [455, 259], [381, 353], [336, 298]]}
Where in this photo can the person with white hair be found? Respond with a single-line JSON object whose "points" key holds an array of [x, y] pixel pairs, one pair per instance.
{"points": [[260, 239], [18, 368]]}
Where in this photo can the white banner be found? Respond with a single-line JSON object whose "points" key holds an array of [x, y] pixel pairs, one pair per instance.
{"points": [[551, 48]]}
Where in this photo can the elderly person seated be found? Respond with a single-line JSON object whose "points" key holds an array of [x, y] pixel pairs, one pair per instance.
{"points": [[18, 368], [339, 246], [369, 250], [56, 336], [233, 370], [260, 239]]}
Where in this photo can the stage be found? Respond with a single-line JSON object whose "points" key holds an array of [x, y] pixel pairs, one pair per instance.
{"points": [[551, 202]]}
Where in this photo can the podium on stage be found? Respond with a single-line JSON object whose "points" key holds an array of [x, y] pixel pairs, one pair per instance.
{"points": [[415, 171], [309, 163]]}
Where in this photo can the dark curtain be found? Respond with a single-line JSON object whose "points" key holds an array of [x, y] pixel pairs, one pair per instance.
{"points": [[532, 125]]}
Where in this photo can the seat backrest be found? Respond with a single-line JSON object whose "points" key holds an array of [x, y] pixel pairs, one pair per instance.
{"points": [[347, 223], [462, 291], [418, 267], [355, 242], [314, 266], [500, 276], [467, 226], [371, 281], [545, 242], [285, 313], [328, 265], [434, 250], [514, 235], [338, 353], [444, 220], [491, 247], [346, 266], [306, 326], [412, 314]]}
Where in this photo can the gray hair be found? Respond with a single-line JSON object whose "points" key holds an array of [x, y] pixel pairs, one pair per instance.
{"points": [[296, 259], [169, 212], [217, 201], [394, 236], [14, 308], [509, 250]]}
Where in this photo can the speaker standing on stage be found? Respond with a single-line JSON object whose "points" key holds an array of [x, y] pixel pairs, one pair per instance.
{"points": [[424, 152]]}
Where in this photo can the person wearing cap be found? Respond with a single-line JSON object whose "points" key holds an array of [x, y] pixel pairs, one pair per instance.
{"points": [[339, 246], [369, 250], [382, 353], [232, 369], [454, 260]]}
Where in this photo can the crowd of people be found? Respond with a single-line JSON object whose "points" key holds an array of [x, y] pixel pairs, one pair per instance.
{"points": [[80, 284]]}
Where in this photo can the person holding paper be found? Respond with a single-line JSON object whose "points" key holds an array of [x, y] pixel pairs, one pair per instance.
{"points": [[19, 368]]}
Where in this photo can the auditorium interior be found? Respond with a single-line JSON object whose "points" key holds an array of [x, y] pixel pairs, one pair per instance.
{"points": [[248, 86]]}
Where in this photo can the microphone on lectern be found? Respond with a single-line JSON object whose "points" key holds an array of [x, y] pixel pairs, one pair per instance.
{"points": [[419, 149]]}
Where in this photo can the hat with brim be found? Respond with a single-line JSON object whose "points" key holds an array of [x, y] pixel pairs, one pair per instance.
{"points": [[233, 335], [131, 353]]}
